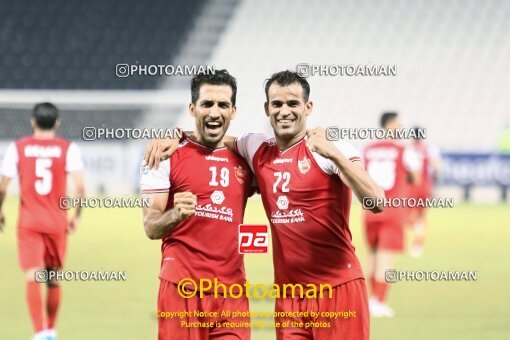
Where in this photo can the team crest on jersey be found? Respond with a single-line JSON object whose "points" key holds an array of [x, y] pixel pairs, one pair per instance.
{"points": [[240, 174], [304, 165]]}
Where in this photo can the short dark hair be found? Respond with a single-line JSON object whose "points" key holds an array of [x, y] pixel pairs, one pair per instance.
{"points": [[218, 77], [387, 117], [45, 115], [284, 78]]}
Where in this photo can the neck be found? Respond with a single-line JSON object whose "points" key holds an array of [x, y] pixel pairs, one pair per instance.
{"points": [[284, 143], [198, 138], [44, 133]]}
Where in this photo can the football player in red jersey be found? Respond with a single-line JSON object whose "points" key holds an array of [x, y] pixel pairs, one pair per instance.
{"points": [[42, 162], [198, 197], [391, 165], [430, 164], [305, 181]]}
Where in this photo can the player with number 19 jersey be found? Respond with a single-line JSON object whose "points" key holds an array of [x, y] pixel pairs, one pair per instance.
{"points": [[203, 246]]}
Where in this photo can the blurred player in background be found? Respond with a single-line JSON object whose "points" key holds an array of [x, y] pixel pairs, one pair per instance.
{"points": [[305, 183], [430, 163], [42, 162], [198, 200], [392, 166]]}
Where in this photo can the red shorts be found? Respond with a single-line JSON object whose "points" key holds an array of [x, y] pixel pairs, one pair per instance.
{"points": [[40, 250], [351, 321], [388, 235], [175, 328]]}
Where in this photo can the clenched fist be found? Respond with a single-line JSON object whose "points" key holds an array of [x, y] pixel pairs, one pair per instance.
{"points": [[184, 205], [318, 142]]}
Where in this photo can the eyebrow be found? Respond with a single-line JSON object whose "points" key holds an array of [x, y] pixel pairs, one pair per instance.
{"points": [[290, 101], [210, 101]]}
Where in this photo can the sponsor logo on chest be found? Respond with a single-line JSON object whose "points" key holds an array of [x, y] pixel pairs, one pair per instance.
{"points": [[282, 160], [216, 159]]}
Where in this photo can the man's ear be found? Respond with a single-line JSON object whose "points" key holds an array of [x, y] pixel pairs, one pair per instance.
{"points": [[266, 108], [57, 124], [191, 109], [308, 107], [32, 122], [234, 112]]}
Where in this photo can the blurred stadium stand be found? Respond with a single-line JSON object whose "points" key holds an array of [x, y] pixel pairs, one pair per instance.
{"points": [[62, 44], [452, 59], [16, 121]]}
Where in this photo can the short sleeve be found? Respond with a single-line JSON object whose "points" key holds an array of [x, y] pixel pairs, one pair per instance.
{"points": [[411, 160], [247, 145], [155, 181], [10, 161], [349, 152], [74, 161]]}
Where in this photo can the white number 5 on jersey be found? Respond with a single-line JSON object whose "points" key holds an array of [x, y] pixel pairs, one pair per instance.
{"points": [[42, 171]]}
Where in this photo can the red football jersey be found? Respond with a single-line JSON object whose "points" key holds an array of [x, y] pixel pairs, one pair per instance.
{"points": [[204, 246], [308, 208], [425, 154], [388, 163], [42, 165]]}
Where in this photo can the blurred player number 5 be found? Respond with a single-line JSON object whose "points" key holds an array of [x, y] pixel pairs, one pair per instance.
{"points": [[253, 238]]}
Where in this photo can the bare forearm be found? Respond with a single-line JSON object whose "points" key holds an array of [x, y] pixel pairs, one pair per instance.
{"points": [[358, 180], [158, 225], [2, 198], [80, 193]]}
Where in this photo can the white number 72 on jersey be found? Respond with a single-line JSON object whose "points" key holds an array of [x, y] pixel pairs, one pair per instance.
{"points": [[283, 177]]}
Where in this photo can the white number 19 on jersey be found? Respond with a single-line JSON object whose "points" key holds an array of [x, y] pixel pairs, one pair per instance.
{"points": [[224, 175]]}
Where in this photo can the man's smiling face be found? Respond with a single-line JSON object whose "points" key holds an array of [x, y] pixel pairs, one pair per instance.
{"points": [[213, 112], [287, 110]]}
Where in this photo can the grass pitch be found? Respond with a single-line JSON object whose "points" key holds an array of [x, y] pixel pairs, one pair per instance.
{"points": [[467, 237]]}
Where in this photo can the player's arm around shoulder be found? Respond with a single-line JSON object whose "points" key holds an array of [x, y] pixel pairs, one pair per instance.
{"points": [[159, 150], [347, 164]]}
